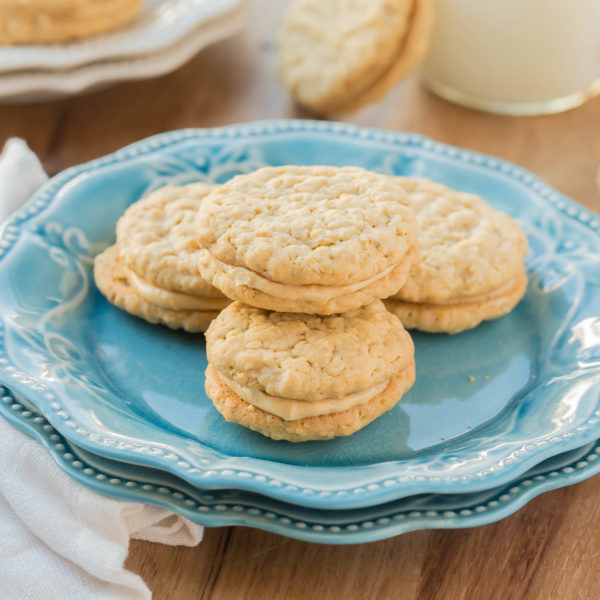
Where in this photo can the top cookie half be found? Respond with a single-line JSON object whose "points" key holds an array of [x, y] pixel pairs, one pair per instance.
{"points": [[156, 240], [315, 239], [468, 249]]}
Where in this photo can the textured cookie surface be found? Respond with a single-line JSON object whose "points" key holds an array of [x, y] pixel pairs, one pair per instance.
{"points": [[308, 357], [156, 239], [112, 280], [323, 427], [467, 248], [411, 52], [46, 21], [308, 225], [333, 50]]}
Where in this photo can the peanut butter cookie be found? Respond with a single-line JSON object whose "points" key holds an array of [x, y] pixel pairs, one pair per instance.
{"points": [[306, 377]]}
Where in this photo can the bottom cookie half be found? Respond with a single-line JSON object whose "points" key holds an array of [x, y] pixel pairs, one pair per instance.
{"points": [[111, 278], [459, 316], [323, 427]]}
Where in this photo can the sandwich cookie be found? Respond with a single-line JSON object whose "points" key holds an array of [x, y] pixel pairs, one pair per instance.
{"points": [[471, 261], [151, 271], [412, 51], [303, 377], [47, 21], [339, 55], [316, 239]]}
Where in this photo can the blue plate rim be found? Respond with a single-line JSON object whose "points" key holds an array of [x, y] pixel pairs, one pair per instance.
{"points": [[210, 511]]}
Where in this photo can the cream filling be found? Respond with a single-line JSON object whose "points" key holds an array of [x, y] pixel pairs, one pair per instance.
{"points": [[309, 292], [173, 300], [497, 293], [290, 410]]}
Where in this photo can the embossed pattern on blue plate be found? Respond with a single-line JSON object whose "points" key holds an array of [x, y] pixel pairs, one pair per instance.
{"points": [[488, 403], [235, 507]]}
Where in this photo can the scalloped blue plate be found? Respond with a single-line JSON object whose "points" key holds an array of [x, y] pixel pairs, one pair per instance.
{"points": [[234, 507], [488, 404]]}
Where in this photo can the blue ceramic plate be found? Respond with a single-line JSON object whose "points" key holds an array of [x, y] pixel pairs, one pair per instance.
{"points": [[488, 404], [234, 507]]}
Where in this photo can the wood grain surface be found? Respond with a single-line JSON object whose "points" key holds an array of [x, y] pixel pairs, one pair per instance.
{"points": [[548, 549]]}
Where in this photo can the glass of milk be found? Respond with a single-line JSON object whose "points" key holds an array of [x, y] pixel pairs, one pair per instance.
{"points": [[519, 57]]}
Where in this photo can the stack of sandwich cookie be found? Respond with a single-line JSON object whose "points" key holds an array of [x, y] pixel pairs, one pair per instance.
{"points": [[315, 239], [151, 271], [471, 261], [47, 21], [321, 246], [343, 54]]}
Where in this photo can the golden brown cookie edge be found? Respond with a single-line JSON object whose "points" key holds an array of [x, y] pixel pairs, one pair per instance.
{"points": [[454, 318], [236, 410], [111, 279], [377, 290]]}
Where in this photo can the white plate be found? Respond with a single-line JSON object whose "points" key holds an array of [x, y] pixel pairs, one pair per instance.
{"points": [[160, 24], [35, 86]]}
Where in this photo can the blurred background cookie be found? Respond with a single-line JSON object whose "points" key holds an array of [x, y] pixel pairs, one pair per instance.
{"points": [[339, 55], [47, 21]]}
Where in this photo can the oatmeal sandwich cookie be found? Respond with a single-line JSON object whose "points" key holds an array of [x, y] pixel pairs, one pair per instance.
{"points": [[302, 377], [342, 54], [47, 21], [412, 51], [151, 271], [314, 239], [471, 267]]}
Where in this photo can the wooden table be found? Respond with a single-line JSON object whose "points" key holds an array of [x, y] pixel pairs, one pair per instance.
{"points": [[551, 547]]}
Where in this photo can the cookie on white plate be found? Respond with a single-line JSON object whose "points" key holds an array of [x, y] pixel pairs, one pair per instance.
{"points": [[53, 21]]}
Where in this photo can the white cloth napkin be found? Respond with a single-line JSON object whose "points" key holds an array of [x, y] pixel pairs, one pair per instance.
{"points": [[57, 538]]}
